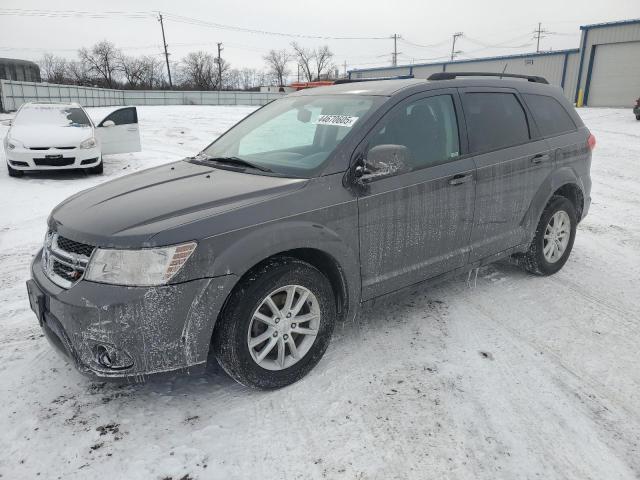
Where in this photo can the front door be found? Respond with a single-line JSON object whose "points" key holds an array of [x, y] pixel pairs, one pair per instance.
{"points": [[119, 132], [415, 218]]}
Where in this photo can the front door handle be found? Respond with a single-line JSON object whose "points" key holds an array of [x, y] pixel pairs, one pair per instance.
{"points": [[460, 179], [541, 157]]}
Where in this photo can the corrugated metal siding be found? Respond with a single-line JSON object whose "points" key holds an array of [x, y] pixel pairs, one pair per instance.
{"points": [[547, 66], [424, 71], [381, 72], [606, 35], [571, 75]]}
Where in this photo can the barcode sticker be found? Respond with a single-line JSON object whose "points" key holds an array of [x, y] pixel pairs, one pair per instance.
{"points": [[337, 120]]}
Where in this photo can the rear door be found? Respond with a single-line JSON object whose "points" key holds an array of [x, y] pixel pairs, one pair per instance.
{"points": [[512, 161], [415, 223], [118, 132]]}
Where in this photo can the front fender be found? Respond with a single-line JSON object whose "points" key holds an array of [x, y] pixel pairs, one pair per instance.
{"points": [[332, 231]]}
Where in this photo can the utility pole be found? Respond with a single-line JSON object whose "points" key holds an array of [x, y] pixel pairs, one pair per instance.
{"points": [[219, 66], [454, 52], [166, 53], [345, 69], [394, 55], [538, 34]]}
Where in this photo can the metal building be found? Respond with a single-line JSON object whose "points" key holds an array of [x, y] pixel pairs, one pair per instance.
{"points": [[21, 70], [609, 74], [604, 71]]}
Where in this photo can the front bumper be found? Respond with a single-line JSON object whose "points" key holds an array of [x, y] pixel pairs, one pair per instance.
{"points": [[145, 330], [52, 158]]}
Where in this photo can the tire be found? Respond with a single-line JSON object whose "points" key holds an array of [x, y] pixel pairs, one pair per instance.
{"points": [[13, 172], [237, 325], [535, 260], [97, 170]]}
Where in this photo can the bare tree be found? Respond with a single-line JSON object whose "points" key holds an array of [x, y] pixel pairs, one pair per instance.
{"points": [[54, 68], [102, 61], [152, 72], [313, 62], [222, 73], [133, 69], [323, 57], [304, 57], [200, 71], [277, 61], [78, 72]]}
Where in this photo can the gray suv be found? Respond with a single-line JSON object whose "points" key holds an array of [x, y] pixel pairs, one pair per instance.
{"points": [[317, 202]]}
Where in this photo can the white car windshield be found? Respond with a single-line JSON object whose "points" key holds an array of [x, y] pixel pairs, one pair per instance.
{"points": [[52, 115], [293, 136]]}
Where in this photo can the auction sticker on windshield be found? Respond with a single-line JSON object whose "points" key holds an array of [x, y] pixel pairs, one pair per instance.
{"points": [[338, 120]]}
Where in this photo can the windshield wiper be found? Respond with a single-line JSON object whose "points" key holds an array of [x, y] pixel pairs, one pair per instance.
{"points": [[237, 161]]}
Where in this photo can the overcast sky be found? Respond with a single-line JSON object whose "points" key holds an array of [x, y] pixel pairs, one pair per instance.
{"points": [[485, 24]]}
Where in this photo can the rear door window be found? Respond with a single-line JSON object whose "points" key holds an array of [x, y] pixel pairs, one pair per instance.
{"points": [[495, 120], [550, 116]]}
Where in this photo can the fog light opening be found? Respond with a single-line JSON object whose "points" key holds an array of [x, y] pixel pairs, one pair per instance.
{"points": [[102, 356], [112, 358]]}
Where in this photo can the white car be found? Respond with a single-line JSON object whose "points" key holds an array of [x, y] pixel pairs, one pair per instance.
{"points": [[61, 136]]}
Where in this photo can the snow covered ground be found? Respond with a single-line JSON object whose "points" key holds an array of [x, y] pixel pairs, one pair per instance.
{"points": [[517, 377]]}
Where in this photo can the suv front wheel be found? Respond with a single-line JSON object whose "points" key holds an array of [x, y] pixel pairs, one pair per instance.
{"points": [[276, 325], [553, 239]]}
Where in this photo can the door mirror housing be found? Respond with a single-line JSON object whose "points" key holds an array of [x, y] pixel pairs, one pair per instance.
{"points": [[108, 123], [6, 123], [383, 161]]}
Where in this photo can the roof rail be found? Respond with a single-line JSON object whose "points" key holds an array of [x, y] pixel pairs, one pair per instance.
{"points": [[356, 80], [452, 75]]}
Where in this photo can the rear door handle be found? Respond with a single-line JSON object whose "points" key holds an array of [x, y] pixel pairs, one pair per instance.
{"points": [[541, 157], [460, 179]]}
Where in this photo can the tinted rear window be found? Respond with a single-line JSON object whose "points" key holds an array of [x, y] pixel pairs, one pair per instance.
{"points": [[495, 120], [549, 114]]}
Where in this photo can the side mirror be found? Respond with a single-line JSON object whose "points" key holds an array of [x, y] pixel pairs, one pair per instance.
{"points": [[6, 123], [384, 161], [109, 123]]}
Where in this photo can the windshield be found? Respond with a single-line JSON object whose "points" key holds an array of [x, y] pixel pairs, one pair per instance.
{"points": [[53, 115], [293, 136]]}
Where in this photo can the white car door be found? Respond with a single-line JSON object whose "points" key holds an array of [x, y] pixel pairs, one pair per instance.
{"points": [[118, 132]]}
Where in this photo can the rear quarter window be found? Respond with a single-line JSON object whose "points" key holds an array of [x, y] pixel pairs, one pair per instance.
{"points": [[550, 116], [495, 120]]}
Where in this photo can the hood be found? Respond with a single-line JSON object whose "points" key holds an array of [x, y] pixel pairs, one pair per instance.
{"points": [[128, 211], [49, 136]]}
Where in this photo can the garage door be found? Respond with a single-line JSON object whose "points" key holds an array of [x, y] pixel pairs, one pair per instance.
{"points": [[615, 79]]}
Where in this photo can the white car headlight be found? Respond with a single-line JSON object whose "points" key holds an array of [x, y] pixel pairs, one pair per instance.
{"points": [[89, 143], [144, 267], [12, 143]]}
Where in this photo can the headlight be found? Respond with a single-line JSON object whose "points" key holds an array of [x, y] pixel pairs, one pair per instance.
{"points": [[12, 144], [144, 267], [88, 143]]}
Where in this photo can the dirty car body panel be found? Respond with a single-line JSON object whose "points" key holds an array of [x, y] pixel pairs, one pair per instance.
{"points": [[379, 235]]}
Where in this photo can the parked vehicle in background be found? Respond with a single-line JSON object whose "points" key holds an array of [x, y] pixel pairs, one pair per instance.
{"points": [[61, 136], [312, 205], [636, 109]]}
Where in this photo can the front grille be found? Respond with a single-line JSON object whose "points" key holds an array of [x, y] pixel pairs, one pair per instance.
{"points": [[72, 246], [47, 148], [64, 260], [54, 162]]}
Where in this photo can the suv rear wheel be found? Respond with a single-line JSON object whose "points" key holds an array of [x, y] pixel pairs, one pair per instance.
{"points": [[553, 239], [277, 324]]}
